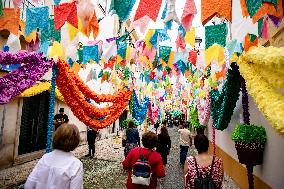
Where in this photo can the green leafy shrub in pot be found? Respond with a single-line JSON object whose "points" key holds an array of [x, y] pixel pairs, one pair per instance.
{"points": [[249, 134], [249, 143]]}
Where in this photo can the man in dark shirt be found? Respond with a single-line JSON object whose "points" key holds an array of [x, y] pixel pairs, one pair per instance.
{"points": [[60, 118], [91, 138]]}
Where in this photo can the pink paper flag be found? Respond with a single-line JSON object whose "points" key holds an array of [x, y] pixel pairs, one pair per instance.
{"points": [[142, 23], [17, 3], [188, 14], [264, 32]]}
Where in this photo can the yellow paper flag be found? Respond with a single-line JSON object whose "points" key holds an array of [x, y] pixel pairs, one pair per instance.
{"points": [[56, 51], [127, 56], [72, 31], [148, 36], [190, 37], [171, 59], [215, 52]]}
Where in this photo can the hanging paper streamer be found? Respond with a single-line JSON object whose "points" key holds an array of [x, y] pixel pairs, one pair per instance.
{"points": [[223, 104], [164, 14], [163, 36], [122, 8], [65, 12], [14, 83], [181, 31], [139, 110], [171, 12], [188, 14], [250, 41], [153, 113], [210, 8], [203, 107], [149, 8], [10, 20], [90, 53], [37, 17], [216, 34], [190, 37], [51, 110], [1, 8]]}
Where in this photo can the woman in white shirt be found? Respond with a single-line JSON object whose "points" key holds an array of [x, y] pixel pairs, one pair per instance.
{"points": [[59, 169]]}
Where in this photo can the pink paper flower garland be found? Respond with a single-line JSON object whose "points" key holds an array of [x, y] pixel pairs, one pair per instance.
{"points": [[204, 111], [153, 113], [34, 66]]}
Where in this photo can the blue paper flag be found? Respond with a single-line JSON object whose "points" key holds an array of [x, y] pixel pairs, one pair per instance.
{"points": [[90, 53], [169, 25], [139, 110], [233, 47], [44, 47], [6, 48], [181, 31], [121, 49], [181, 65], [162, 33], [37, 17], [56, 2], [164, 14]]}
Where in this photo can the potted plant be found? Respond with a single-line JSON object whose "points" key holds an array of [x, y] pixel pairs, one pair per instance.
{"points": [[200, 129], [249, 142]]}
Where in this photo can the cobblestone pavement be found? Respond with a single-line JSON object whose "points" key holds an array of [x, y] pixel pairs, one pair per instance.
{"points": [[105, 171], [174, 172]]}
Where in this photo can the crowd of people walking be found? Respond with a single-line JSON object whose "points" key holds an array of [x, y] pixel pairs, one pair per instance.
{"points": [[145, 163]]}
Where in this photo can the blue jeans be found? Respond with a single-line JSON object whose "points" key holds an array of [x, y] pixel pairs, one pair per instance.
{"points": [[183, 154]]}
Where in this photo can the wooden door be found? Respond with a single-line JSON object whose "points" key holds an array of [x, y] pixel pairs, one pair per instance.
{"points": [[33, 129]]}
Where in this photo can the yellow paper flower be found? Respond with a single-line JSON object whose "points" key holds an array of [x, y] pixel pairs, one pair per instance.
{"points": [[40, 88], [268, 100], [267, 56]]}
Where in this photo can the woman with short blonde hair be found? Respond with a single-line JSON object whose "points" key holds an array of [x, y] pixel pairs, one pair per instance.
{"points": [[59, 168]]}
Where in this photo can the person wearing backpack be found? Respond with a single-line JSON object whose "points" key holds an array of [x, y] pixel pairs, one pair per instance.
{"points": [[144, 165], [203, 171]]}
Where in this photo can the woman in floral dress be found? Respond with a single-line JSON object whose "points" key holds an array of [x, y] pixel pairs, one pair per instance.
{"points": [[204, 162]]}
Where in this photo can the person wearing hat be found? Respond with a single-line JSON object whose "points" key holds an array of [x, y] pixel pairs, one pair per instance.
{"points": [[60, 118]]}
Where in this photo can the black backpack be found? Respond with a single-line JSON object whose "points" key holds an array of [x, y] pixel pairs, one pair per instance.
{"points": [[207, 182], [141, 170]]}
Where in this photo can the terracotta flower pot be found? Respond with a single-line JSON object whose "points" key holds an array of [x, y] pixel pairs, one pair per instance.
{"points": [[200, 131], [250, 153]]}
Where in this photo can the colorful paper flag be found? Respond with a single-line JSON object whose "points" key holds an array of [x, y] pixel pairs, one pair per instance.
{"points": [[216, 34], [190, 37], [188, 14], [65, 12], [148, 7], [37, 17], [10, 20], [209, 8]]}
